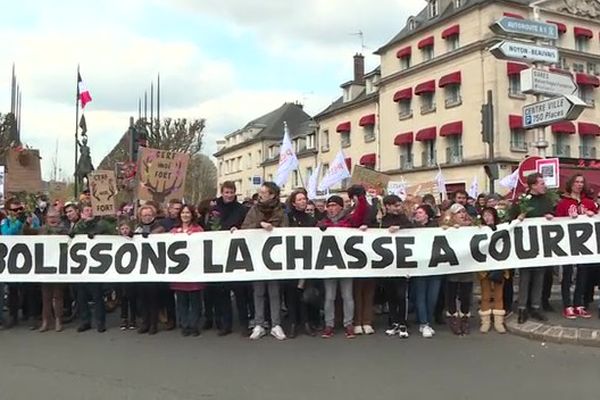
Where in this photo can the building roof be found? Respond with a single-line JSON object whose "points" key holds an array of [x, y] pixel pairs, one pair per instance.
{"points": [[271, 126], [339, 104], [422, 20]]}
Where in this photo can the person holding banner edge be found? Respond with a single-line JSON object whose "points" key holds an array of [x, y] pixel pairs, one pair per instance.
{"points": [[535, 203], [575, 202], [267, 214], [340, 218]]}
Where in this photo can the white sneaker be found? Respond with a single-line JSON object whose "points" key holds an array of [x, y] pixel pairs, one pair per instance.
{"points": [[368, 329], [277, 333], [257, 332], [403, 331], [427, 332], [393, 331], [358, 330]]}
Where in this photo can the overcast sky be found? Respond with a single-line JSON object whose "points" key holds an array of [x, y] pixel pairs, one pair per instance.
{"points": [[224, 60]]}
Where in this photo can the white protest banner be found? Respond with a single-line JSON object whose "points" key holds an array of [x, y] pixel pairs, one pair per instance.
{"points": [[338, 171], [287, 158], [299, 253], [311, 187]]}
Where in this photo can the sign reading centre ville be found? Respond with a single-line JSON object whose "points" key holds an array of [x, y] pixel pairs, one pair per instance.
{"points": [[553, 110], [508, 49], [525, 28], [539, 81]]}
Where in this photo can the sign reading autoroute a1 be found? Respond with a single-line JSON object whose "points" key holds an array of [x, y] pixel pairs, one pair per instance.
{"points": [[525, 28], [547, 112], [511, 50], [539, 81]]}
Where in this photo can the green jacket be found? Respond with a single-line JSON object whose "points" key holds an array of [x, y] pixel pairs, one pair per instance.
{"points": [[95, 226], [540, 205]]}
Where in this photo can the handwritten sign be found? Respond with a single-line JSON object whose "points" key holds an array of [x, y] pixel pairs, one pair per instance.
{"points": [[103, 189], [161, 174], [371, 180]]}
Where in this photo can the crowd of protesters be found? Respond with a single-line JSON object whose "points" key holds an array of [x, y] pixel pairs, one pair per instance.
{"points": [[312, 307]]}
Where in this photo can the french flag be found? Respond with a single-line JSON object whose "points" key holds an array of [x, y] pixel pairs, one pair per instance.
{"points": [[83, 93]]}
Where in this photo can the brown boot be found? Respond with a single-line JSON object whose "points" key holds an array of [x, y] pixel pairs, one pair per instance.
{"points": [[499, 321], [486, 321], [453, 323], [58, 326], [58, 304]]}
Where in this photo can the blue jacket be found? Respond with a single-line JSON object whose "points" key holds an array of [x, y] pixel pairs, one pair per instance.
{"points": [[11, 227]]}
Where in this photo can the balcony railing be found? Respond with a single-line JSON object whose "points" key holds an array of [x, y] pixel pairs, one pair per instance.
{"points": [[405, 114], [587, 152], [454, 155], [406, 161], [561, 150], [428, 158], [453, 101]]}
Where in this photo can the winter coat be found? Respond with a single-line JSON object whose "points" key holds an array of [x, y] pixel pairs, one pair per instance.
{"points": [[352, 220], [187, 286], [270, 212], [583, 205], [224, 216], [94, 226], [299, 219], [399, 220]]}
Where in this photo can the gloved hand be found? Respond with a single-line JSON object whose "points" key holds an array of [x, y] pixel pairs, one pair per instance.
{"points": [[90, 235], [71, 235], [145, 235]]}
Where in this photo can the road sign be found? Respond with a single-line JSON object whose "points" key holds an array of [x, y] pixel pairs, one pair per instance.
{"points": [[508, 49], [525, 28], [539, 81], [552, 110], [527, 167]]}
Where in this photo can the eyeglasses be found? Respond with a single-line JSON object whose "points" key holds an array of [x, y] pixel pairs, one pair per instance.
{"points": [[17, 209]]}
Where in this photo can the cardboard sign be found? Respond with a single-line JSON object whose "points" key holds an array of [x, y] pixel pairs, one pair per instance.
{"points": [[371, 180], [103, 189], [423, 188], [161, 174]]}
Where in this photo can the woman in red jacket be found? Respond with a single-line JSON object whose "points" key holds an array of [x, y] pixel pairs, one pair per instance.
{"points": [[574, 202], [188, 295]]}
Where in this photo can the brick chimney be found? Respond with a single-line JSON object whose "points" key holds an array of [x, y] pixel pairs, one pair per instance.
{"points": [[359, 69]]}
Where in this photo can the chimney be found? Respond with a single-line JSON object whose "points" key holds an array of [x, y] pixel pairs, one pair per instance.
{"points": [[359, 69]]}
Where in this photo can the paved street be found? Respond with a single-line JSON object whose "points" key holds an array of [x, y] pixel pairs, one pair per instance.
{"points": [[125, 365]]}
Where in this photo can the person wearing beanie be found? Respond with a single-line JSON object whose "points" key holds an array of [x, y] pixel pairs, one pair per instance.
{"points": [[352, 218]]}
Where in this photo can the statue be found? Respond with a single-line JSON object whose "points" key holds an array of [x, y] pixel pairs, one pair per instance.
{"points": [[583, 8], [84, 165]]}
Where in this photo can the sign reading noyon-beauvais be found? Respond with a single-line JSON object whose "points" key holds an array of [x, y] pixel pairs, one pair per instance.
{"points": [[507, 49], [525, 28], [539, 81], [543, 113]]}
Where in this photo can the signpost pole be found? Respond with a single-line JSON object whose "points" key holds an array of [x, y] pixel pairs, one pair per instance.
{"points": [[541, 143]]}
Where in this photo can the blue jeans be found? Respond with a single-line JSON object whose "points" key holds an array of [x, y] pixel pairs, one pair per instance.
{"points": [[189, 308], [427, 290]]}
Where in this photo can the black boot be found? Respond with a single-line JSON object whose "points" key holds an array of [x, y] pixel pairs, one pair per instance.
{"points": [[309, 330], [293, 332], [538, 316], [522, 318]]}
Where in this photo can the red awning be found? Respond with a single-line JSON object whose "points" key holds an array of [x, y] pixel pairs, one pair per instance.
{"points": [[404, 52], [515, 68], [368, 159], [563, 127], [450, 79], [349, 163], [428, 41], [513, 15], [426, 134], [403, 138], [583, 32], [587, 80], [586, 128], [452, 129], [367, 120], [451, 31], [403, 94], [425, 87], [344, 127], [562, 28], [515, 122]]}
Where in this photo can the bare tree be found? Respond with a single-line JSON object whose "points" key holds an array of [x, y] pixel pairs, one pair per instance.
{"points": [[201, 179]]}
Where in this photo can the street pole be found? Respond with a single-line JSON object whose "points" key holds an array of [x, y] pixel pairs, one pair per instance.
{"points": [[541, 143], [75, 188]]}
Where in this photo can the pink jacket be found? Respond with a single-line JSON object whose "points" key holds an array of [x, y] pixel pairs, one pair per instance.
{"points": [[188, 286]]}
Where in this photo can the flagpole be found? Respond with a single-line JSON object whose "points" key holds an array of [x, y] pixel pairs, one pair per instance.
{"points": [[75, 188]]}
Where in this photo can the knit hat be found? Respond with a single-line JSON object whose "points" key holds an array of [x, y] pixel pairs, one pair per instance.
{"points": [[456, 208], [336, 199]]}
